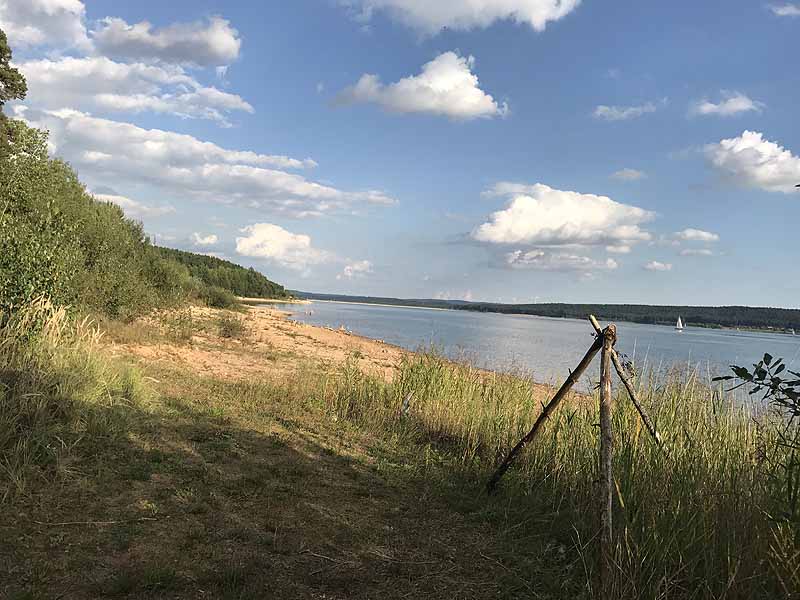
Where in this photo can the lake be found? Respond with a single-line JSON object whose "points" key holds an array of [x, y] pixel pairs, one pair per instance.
{"points": [[544, 347]]}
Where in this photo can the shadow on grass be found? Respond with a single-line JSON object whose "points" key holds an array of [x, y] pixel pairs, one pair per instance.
{"points": [[199, 501]]}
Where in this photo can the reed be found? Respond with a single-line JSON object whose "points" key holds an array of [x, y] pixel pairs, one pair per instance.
{"points": [[702, 520], [56, 392]]}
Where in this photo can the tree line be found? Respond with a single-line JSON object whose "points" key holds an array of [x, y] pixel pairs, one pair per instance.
{"points": [[58, 241], [698, 316]]}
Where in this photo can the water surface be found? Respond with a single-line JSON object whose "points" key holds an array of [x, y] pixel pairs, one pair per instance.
{"points": [[545, 347]]}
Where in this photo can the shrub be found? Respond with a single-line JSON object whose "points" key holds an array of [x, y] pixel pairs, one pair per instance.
{"points": [[180, 325], [230, 326], [217, 297]]}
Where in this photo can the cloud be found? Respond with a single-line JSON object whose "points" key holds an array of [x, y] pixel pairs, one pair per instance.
{"points": [[696, 235], [623, 113], [98, 83], [557, 261], [279, 246], [732, 104], [212, 42], [204, 240], [466, 296], [628, 175], [756, 162], [619, 249], [355, 269], [654, 265], [106, 151], [54, 23], [133, 208], [538, 215], [431, 17], [446, 86], [785, 10], [696, 252]]}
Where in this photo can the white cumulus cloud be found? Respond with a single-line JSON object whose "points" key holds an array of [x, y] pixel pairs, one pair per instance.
{"points": [[619, 249], [756, 162], [696, 235], [654, 265], [696, 252], [279, 246], [538, 215], [429, 17], [788, 9], [211, 42], [446, 86], [204, 240], [628, 175], [731, 104], [54, 23], [355, 269], [106, 151], [135, 209], [556, 261], [624, 113], [100, 84]]}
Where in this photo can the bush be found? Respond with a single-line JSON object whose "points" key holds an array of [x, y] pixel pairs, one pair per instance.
{"points": [[230, 326], [217, 297]]}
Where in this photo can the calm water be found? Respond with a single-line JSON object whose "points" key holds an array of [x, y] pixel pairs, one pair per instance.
{"points": [[544, 347]]}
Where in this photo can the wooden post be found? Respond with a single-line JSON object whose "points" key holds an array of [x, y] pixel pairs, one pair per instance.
{"points": [[551, 406], [609, 338], [629, 386]]}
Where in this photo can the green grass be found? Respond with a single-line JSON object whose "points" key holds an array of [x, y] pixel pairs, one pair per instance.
{"points": [[316, 483]]}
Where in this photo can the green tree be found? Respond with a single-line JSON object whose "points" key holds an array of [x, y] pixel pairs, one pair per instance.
{"points": [[12, 82]]}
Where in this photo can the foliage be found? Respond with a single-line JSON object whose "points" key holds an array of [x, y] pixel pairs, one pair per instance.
{"points": [[55, 392], [12, 83], [780, 387], [220, 273], [217, 297], [180, 325]]}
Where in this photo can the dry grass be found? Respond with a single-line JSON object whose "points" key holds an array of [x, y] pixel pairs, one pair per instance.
{"points": [[314, 484]]}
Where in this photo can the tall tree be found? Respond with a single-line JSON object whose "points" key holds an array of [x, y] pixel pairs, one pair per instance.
{"points": [[12, 82]]}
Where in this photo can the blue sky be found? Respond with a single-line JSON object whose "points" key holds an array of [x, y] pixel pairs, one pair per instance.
{"points": [[499, 150]]}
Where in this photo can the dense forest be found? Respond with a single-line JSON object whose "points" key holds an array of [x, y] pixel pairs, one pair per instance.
{"points": [[698, 316], [57, 241], [225, 274]]}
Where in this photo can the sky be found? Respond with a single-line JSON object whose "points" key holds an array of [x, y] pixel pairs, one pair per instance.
{"points": [[487, 150]]}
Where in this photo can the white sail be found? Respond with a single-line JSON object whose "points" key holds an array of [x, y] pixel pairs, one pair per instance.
{"points": [[679, 324]]}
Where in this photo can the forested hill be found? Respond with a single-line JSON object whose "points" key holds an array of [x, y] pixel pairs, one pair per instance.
{"points": [[225, 274], [702, 316]]}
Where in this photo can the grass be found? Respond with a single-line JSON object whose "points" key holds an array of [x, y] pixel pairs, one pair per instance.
{"points": [[317, 486], [230, 326]]}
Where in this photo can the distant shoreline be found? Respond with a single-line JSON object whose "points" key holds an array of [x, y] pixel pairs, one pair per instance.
{"points": [[733, 318], [521, 314]]}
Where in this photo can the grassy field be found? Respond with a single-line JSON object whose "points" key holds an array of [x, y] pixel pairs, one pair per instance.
{"points": [[129, 479]]}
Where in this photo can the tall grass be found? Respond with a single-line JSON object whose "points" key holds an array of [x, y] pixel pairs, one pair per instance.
{"points": [[701, 520], [56, 393]]}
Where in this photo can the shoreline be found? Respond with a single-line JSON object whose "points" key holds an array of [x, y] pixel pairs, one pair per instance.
{"points": [[707, 327]]}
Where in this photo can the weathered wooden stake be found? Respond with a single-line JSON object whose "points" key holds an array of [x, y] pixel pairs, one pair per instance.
{"points": [[609, 338], [629, 386], [574, 376]]}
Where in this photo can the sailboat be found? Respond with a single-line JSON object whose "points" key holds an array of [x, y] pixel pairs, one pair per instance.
{"points": [[679, 325]]}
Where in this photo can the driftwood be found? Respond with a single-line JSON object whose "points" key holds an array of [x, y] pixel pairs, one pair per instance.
{"points": [[548, 410], [609, 338], [626, 380]]}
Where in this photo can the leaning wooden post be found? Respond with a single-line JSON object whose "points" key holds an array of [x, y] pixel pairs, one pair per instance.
{"points": [[574, 376], [609, 338]]}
